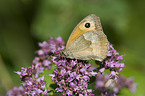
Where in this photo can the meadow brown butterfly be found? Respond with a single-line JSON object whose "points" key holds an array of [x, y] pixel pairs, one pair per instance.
{"points": [[87, 41]]}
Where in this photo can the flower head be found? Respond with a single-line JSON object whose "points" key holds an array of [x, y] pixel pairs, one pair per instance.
{"points": [[35, 86], [16, 91], [72, 77], [110, 87], [113, 62]]}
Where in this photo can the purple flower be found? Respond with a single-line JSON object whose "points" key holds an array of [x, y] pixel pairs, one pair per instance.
{"points": [[127, 83], [113, 62], [16, 91], [72, 77], [47, 52], [26, 72], [52, 46], [110, 87], [35, 86]]}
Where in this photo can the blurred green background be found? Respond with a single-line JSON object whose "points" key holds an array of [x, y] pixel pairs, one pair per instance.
{"points": [[24, 23]]}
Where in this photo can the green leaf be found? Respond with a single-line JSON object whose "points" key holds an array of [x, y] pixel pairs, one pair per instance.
{"points": [[50, 85], [93, 63]]}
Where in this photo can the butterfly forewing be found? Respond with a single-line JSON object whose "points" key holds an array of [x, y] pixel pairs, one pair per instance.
{"points": [[87, 43]]}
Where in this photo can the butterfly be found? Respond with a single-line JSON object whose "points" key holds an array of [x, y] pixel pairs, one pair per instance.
{"points": [[87, 41]]}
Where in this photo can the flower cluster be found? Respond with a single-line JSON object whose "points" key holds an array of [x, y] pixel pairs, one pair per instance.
{"points": [[26, 73], [112, 62], [16, 91], [71, 76], [46, 53], [110, 87], [35, 86]]}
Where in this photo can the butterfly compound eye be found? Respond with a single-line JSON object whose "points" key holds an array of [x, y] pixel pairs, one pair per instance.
{"points": [[87, 25]]}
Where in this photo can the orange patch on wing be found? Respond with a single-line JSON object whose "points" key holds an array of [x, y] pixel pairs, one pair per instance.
{"points": [[76, 34]]}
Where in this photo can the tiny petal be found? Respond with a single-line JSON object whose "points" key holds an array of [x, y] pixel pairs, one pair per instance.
{"points": [[93, 73], [40, 52], [102, 70], [19, 73], [99, 83], [46, 63]]}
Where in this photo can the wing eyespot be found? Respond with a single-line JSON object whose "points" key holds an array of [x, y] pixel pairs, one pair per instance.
{"points": [[87, 25]]}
